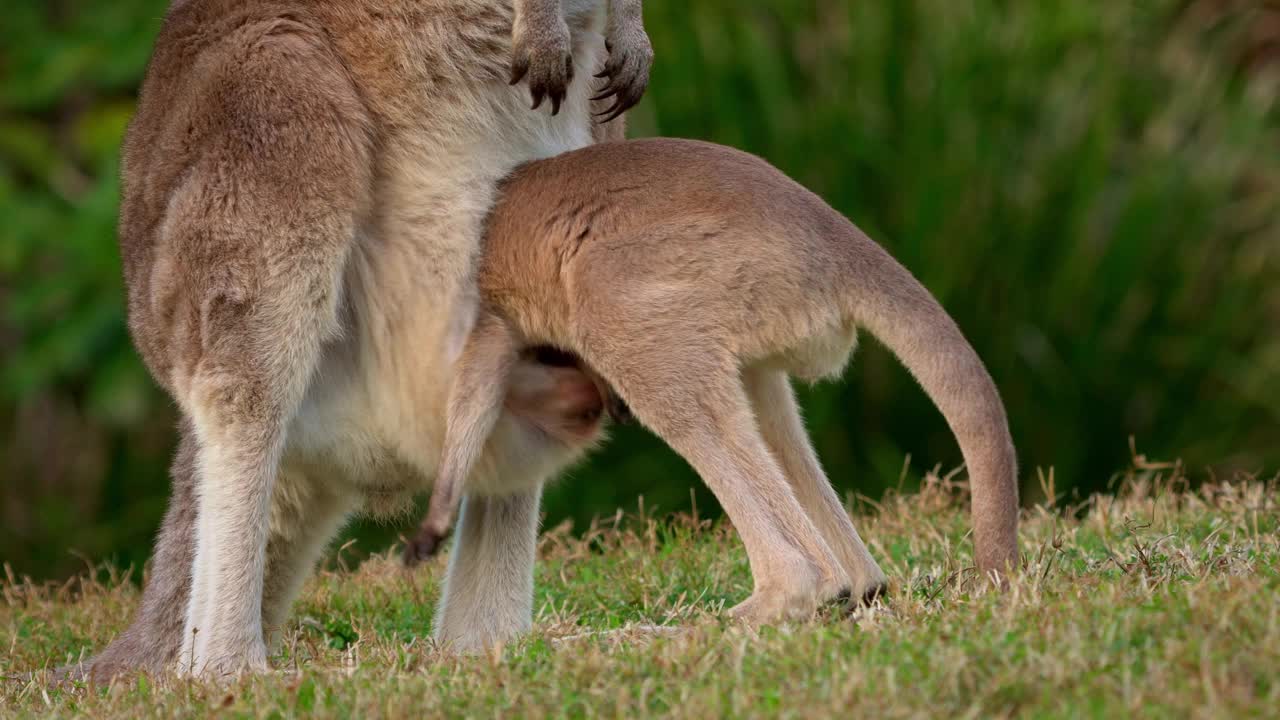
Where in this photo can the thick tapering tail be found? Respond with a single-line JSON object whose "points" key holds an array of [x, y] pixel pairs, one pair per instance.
{"points": [[893, 306]]}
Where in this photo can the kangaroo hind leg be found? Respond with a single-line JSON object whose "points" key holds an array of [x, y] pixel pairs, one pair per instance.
{"points": [[783, 428], [250, 262], [695, 401]]}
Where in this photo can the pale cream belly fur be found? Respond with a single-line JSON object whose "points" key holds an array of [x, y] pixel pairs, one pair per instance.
{"points": [[372, 425]]}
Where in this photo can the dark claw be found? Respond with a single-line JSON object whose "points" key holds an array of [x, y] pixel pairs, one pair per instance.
{"points": [[544, 84], [546, 67], [628, 77], [619, 107], [519, 69], [611, 88]]}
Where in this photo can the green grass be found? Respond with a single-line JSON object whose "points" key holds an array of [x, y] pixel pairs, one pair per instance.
{"points": [[1158, 601]]}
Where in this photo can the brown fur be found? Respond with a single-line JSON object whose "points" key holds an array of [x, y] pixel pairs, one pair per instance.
{"points": [[305, 183], [694, 278]]}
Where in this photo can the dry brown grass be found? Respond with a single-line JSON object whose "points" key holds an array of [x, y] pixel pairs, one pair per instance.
{"points": [[1159, 600]]}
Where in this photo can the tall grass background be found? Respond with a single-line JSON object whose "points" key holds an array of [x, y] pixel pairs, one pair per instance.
{"points": [[1091, 188]]}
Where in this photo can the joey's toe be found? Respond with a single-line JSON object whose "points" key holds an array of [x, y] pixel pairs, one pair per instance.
{"points": [[421, 548]]}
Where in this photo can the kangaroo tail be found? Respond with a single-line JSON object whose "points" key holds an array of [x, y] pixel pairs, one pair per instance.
{"points": [[894, 307]]}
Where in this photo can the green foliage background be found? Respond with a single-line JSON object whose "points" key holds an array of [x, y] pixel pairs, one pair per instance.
{"points": [[1092, 188]]}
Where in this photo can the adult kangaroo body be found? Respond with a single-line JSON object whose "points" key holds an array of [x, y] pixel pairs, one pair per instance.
{"points": [[304, 187]]}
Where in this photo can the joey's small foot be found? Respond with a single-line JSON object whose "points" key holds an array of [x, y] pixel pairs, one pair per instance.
{"points": [[627, 70], [422, 547], [544, 57]]}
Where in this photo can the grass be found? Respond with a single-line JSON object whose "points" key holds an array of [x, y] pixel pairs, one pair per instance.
{"points": [[1159, 600]]}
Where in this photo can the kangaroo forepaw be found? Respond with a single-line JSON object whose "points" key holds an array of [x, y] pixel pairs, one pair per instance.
{"points": [[630, 57], [545, 58]]}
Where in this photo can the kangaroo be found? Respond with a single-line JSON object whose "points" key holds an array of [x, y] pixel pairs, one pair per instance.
{"points": [[694, 279], [304, 189]]}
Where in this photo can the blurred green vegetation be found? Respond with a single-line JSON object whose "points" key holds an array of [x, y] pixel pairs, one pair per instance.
{"points": [[1092, 188]]}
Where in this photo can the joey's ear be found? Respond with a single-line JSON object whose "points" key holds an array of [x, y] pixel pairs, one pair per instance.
{"points": [[553, 357], [617, 408], [613, 403]]}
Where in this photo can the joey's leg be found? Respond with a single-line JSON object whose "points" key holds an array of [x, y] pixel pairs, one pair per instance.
{"points": [[695, 401], [479, 384], [783, 429], [488, 593]]}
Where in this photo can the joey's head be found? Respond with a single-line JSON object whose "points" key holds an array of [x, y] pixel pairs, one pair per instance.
{"points": [[555, 392]]}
